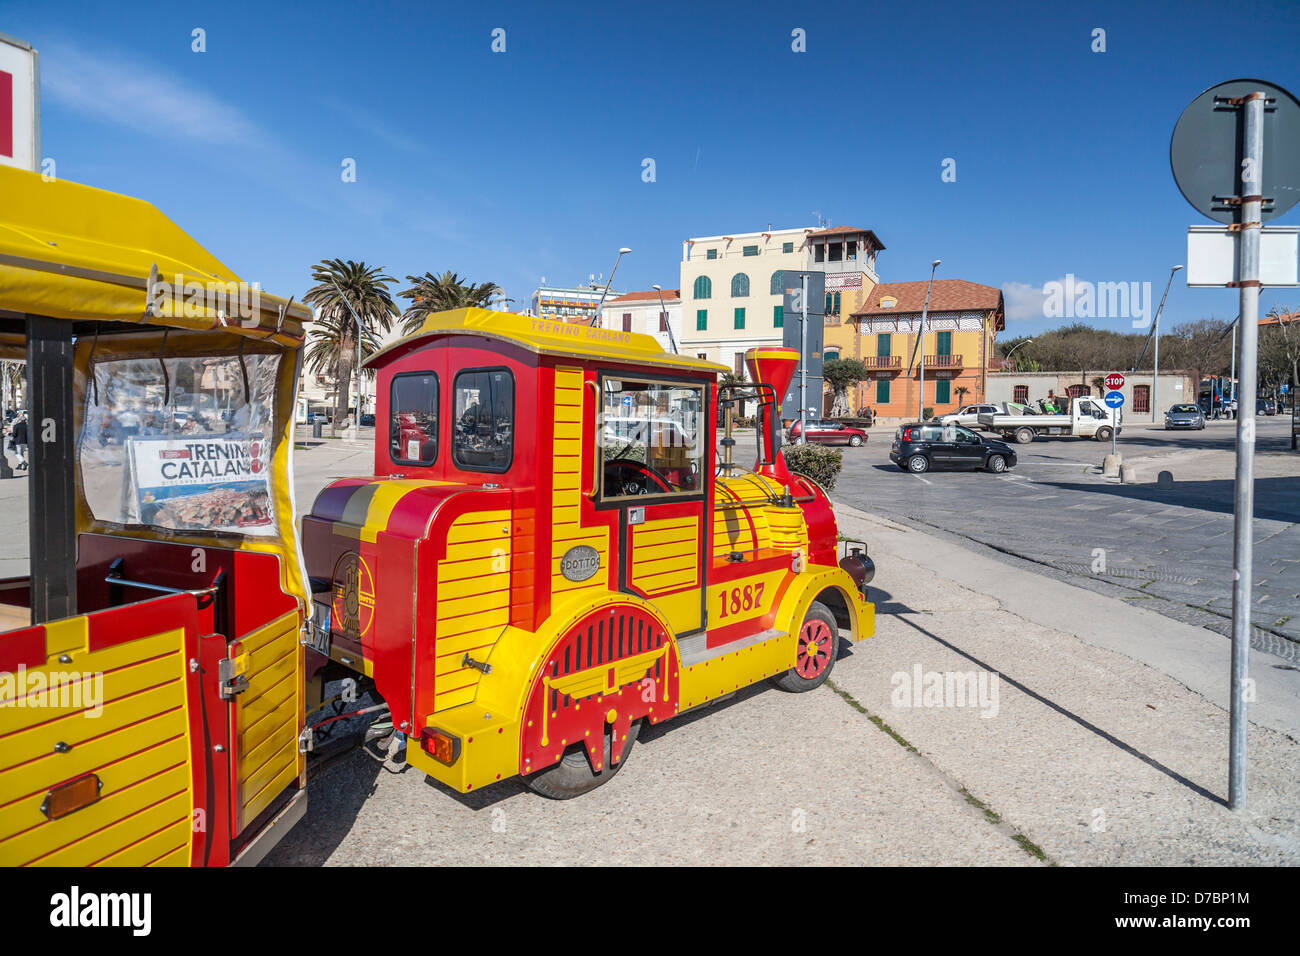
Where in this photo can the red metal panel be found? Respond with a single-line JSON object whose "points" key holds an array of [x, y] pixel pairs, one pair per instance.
{"points": [[24, 647]]}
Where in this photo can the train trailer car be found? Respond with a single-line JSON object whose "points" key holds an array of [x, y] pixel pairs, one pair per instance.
{"points": [[549, 554], [151, 666]]}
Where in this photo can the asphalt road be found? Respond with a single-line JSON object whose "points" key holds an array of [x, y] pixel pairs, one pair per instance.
{"points": [[1167, 550]]}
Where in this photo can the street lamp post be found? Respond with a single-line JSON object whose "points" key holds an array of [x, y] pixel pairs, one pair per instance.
{"points": [[1013, 350], [663, 310], [920, 341], [595, 319], [1155, 374]]}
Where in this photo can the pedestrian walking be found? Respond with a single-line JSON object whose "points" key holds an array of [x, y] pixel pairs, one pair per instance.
{"points": [[20, 439]]}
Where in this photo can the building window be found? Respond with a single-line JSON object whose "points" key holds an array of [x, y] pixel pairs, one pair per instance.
{"points": [[740, 286], [663, 321], [703, 288], [701, 320], [740, 318], [943, 343], [778, 316], [832, 303], [819, 252], [482, 433], [1078, 391], [1020, 394], [627, 321], [882, 344], [778, 283], [750, 251], [836, 251], [851, 251], [831, 355], [942, 389], [882, 391], [711, 254], [702, 355], [1141, 398], [787, 247], [740, 364]]}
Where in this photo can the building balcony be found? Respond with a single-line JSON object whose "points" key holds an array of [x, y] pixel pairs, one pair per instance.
{"points": [[943, 361], [883, 362]]}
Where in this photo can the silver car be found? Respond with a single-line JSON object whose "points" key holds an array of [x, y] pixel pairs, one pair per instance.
{"points": [[1184, 416]]}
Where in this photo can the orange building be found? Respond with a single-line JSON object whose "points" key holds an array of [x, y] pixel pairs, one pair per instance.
{"points": [[960, 329]]}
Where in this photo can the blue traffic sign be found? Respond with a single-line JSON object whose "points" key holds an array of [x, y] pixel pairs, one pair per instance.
{"points": [[1114, 399]]}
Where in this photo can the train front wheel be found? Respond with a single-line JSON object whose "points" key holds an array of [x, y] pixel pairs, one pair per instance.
{"points": [[815, 648]]}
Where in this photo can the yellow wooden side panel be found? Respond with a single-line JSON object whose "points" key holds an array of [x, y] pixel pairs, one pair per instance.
{"points": [[120, 713], [268, 717], [666, 555], [473, 602]]}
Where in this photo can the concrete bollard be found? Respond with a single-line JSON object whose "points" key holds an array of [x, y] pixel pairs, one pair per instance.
{"points": [[1127, 475], [1110, 465], [1165, 480]]}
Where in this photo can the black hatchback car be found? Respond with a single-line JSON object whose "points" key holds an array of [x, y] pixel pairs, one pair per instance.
{"points": [[920, 446]]}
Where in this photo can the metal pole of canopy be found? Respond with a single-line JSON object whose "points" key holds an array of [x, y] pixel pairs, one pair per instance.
{"points": [[51, 450]]}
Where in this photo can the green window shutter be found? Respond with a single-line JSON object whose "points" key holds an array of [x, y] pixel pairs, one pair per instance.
{"points": [[711, 254], [943, 343], [787, 247], [882, 391], [826, 307], [740, 318], [778, 316], [703, 288], [701, 320], [777, 286], [837, 303], [882, 343], [941, 387], [751, 250]]}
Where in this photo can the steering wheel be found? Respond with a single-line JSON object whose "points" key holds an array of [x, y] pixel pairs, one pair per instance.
{"points": [[624, 476]]}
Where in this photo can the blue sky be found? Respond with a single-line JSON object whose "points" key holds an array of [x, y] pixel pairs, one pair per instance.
{"points": [[517, 165]]}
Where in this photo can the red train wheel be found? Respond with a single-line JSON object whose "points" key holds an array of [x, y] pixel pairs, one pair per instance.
{"points": [[815, 648]]}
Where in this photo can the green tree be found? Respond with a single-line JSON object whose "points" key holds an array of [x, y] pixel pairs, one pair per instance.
{"points": [[430, 293], [340, 284], [842, 375]]}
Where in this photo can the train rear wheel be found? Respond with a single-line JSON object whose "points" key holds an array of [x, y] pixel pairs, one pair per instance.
{"points": [[574, 775], [816, 645]]}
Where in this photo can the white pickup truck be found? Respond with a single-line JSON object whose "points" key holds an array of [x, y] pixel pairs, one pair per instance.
{"points": [[1087, 418]]}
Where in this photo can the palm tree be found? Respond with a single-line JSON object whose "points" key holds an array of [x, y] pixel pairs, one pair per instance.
{"points": [[326, 344], [429, 293], [341, 284]]}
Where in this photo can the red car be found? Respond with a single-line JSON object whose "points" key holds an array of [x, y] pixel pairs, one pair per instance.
{"points": [[823, 431]]}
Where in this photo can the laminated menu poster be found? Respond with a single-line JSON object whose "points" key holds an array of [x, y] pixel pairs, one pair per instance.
{"points": [[202, 484]]}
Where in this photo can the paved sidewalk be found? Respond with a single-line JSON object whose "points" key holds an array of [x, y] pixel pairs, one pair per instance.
{"points": [[1093, 756]]}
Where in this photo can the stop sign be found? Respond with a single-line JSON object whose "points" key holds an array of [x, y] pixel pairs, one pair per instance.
{"points": [[1114, 381]]}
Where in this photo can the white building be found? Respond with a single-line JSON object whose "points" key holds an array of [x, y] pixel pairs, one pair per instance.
{"points": [[645, 313], [568, 304], [732, 288]]}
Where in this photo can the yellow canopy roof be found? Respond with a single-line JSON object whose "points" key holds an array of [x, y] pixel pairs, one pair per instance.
{"points": [[73, 252], [550, 337]]}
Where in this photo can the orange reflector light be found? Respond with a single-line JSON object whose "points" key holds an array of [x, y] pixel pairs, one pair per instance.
{"points": [[70, 796], [440, 745]]}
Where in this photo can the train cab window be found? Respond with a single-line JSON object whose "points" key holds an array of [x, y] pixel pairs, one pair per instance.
{"points": [[651, 439], [413, 419], [483, 420]]}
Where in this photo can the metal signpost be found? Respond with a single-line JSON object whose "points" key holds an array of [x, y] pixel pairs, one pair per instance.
{"points": [[1235, 154], [1114, 382], [804, 298]]}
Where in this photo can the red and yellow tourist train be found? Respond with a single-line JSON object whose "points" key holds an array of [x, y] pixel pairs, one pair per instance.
{"points": [[548, 555]]}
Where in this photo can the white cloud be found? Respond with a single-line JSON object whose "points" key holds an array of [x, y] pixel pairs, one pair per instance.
{"points": [[123, 92], [1022, 301]]}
